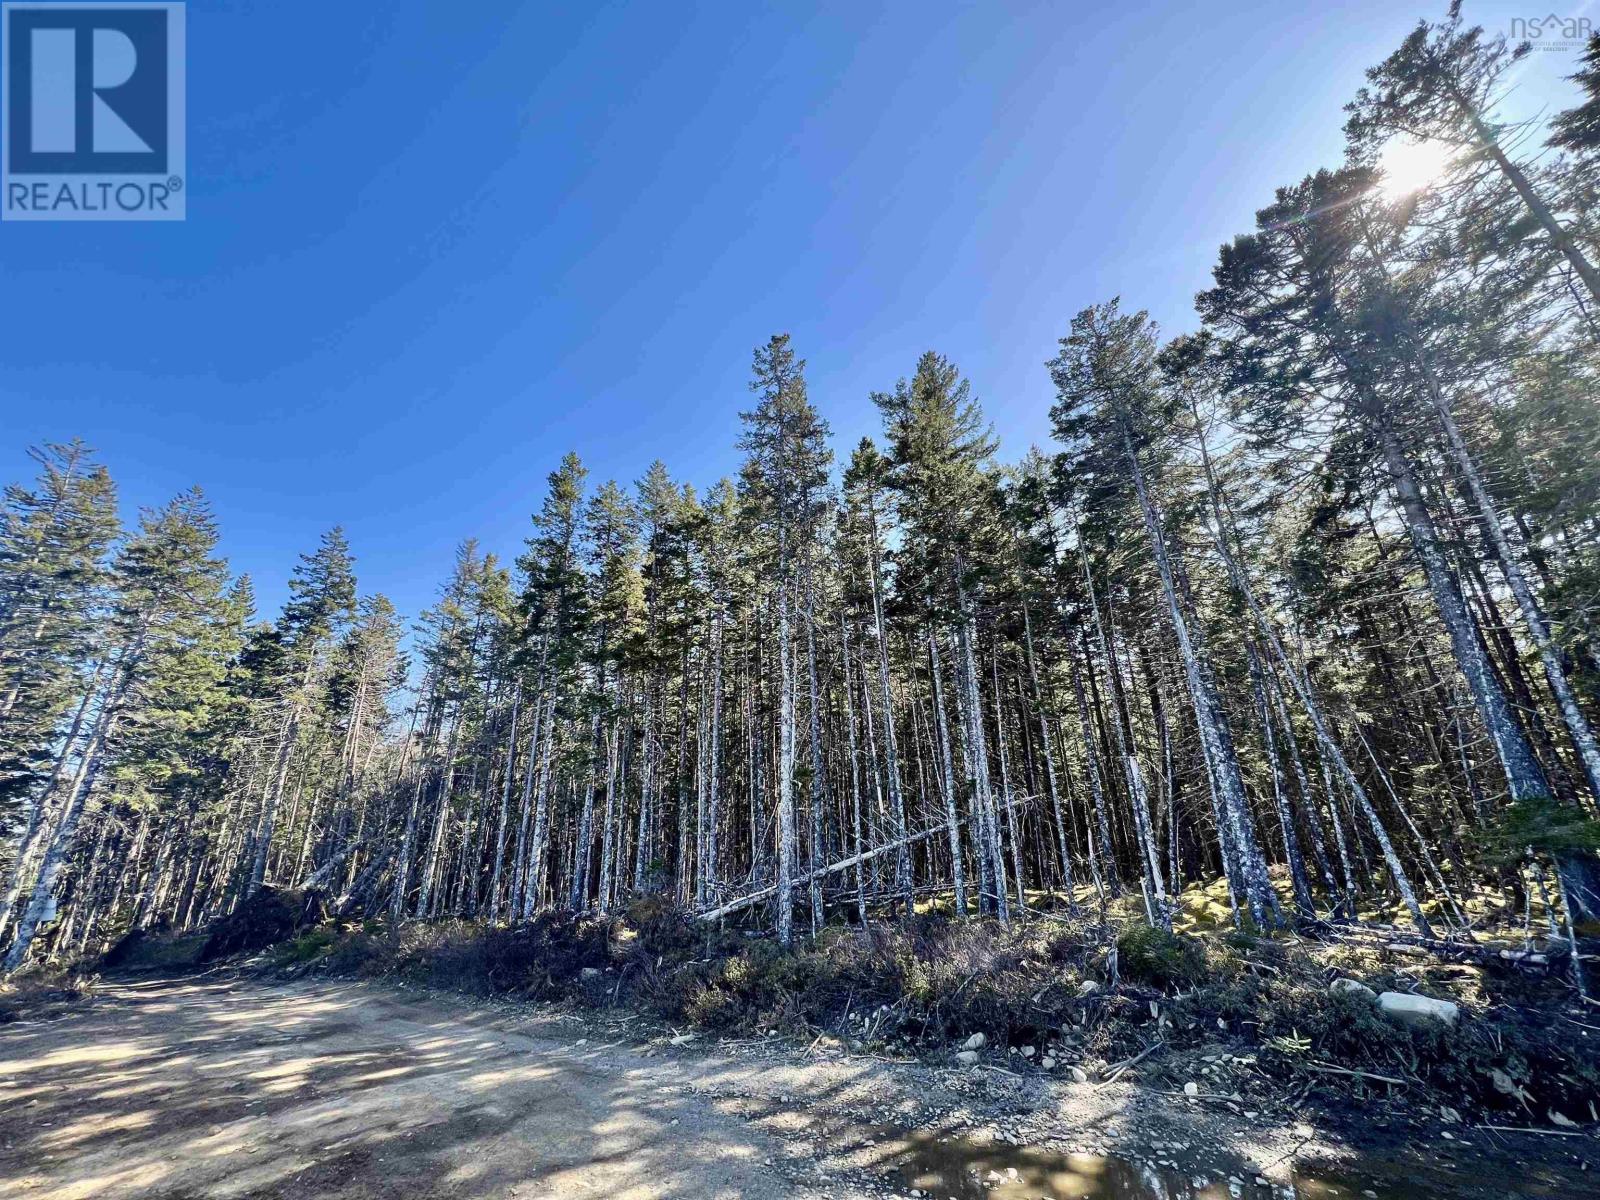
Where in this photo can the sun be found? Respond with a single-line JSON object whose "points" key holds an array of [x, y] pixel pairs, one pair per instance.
{"points": [[1408, 166]]}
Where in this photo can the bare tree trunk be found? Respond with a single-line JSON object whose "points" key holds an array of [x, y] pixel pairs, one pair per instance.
{"points": [[1012, 821], [1578, 726], [42, 904], [583, 847], [1523, 773], [958, 872], [709, 873], [608, 844], [891, 757], [1280, 798], [539, 854], [971, 705], [505, 806], [41, 818], [1215, 739], [447, 783], [786, 829], [854, 768], [818, 789], [1101, 856], [1062, 848]]}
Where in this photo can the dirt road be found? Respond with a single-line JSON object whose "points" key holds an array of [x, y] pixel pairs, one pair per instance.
{"points": [[189, 1088]]}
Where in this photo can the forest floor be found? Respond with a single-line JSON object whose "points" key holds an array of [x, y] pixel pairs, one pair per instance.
{"points": [[218, 1084]]}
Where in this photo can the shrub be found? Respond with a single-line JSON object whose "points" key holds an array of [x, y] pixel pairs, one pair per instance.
{"points": [[1160, 958], [311, 945], [263, 919]]}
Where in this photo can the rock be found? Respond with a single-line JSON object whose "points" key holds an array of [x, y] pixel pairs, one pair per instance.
{"points": [[1507, 1086], [976, 1042], [1088, 988], [1560, 1120], [1028, 1052], [589, 973], [1079, 1075], [1191, 1088], [1351, 987], [1048, 1062], [967, 1057], [1418, 1011]]}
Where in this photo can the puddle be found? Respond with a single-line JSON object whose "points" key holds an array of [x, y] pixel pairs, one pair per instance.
{"points": [[956, 1167]]}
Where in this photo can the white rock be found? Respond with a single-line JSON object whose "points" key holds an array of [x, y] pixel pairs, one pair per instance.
{"points": [[967, 1057], [1505, 1085], [1028, 1052], [1048, 1062], [1418, 1010], [1351, 987], [1561, 1120], [976, 1042], [1088, 987], [1191, 1088], [1079, 1075]]}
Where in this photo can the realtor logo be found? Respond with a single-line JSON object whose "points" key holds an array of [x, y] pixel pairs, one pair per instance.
{"points": [[92, 112]]}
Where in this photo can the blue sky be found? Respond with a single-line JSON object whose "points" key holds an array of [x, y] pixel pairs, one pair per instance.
{"points": [[432, 247]]}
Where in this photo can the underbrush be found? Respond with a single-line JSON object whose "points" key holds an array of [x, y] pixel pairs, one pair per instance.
{"points": [[41, 992], [1241, 1014]]}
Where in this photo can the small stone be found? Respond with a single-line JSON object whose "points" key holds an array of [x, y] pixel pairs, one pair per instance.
{"points": [[1351, 987], [1079, 1075], [967, 1057], [1417, 1011], [1048, 1062], [1028, 1052], [976, 1042], [1088, 988], [1507, 1086], [1561, 1120], [1191, 1088]]}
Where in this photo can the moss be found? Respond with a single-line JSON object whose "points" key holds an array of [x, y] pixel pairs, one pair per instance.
{"points": [[1160, 958], [307, 947]]}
